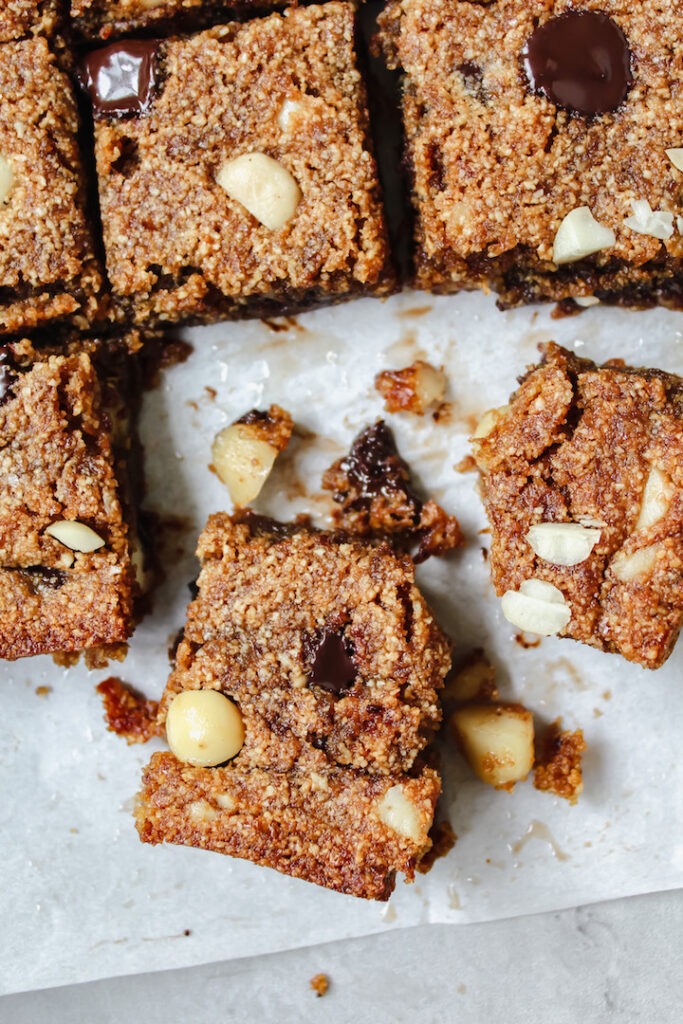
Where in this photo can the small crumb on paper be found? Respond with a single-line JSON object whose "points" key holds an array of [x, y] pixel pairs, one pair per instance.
{"points": [[320, 984], [558, 765]]}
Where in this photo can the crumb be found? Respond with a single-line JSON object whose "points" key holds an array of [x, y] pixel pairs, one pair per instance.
{"points": [[412, 389], [127, 713], [443, 840], [43, 691], [466, 465], [474, 678], [558, 765], [66, 659], [527, 645], [444, 413], [99, 657], [211, 392], [320, 984]]}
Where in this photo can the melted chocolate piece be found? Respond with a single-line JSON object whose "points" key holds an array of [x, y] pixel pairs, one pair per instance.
{"points": [[373, 465], [121, 79], [581, 61], [332, 668]]}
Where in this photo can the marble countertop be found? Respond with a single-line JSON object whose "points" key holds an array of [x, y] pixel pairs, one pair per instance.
{"points": [[618, 962]]}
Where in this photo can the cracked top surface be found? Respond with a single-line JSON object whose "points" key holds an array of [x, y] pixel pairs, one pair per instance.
{"points": [[220, 95], [579, 442], [107, 18], [266, 604], [498, 166]]}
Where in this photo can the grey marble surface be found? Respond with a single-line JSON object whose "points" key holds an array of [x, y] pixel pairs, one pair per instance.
{"points": [[617, 962]]}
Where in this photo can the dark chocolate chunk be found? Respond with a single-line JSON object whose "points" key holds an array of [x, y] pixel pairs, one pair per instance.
{"points": [[121, 78], [581, 61], [40, 578], [373, 465], [332, 667]]}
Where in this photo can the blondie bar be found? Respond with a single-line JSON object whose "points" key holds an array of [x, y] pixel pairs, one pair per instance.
{"points": [[108, 19], [582, 479], [48, 269], [21, 18], [235, 171], [543, 139], [66, 578], [327, 653]]}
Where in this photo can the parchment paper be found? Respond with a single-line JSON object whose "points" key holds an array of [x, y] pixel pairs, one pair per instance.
{"points": [[82, 898]]}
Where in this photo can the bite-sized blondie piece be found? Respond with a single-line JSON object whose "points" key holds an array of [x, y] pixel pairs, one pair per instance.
{"points": [[373, 488], [304, 691], [66, 578], [235, 171], [107, 19], [338, 827], [48, 271], [20, 18], [318, 634], [545, 146], [582, 479]]}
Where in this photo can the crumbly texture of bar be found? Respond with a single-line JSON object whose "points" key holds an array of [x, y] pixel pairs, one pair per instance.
{"points": [[314, 821], [373, 489], [558, 766], [496, 167], [178, 247], [48, 270], [265, 605], [20, 18], [57, 463], [108, 19], [579, 443]]}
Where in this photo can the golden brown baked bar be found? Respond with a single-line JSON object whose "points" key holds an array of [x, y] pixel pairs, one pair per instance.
{"points": [[48, 270], [333, 659], [58, 489], [274, 613], [500, 153], [283, 91], [601, 448]]}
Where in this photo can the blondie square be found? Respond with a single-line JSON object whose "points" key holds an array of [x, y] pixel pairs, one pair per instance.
{"points": [[107, 19], [333, 660], [521, 113], [66, 579], [48, 270], [582, 479], [322, 635], [235, 171], [20, 18]]}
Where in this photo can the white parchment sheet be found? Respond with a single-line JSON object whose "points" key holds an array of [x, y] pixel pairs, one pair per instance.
{"points": [[82, 898]]}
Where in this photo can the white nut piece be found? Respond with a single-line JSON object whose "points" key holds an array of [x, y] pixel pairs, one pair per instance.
{"points": [[489, 420], [476, 680], [657, 496], [396, 812], [285, 112], [537, 607], [75, 536], [586, 301], [430, 385], [676, 158], [562, 543], [639, 565], [263, 186], [204, 728], [579, 235], [497, 740], [242, 462], [6, 179], [646, 221]]}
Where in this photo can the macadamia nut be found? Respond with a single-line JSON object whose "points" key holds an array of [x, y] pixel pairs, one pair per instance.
{"points": [[580, 235], [497, 740], [74, 535], [204, 728], [263, 186]]}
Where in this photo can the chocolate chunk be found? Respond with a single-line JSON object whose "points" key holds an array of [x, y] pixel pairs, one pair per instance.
{"points": [[332, 668], [373, 465], [581, 61], [121, 79], [7, 379]]}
